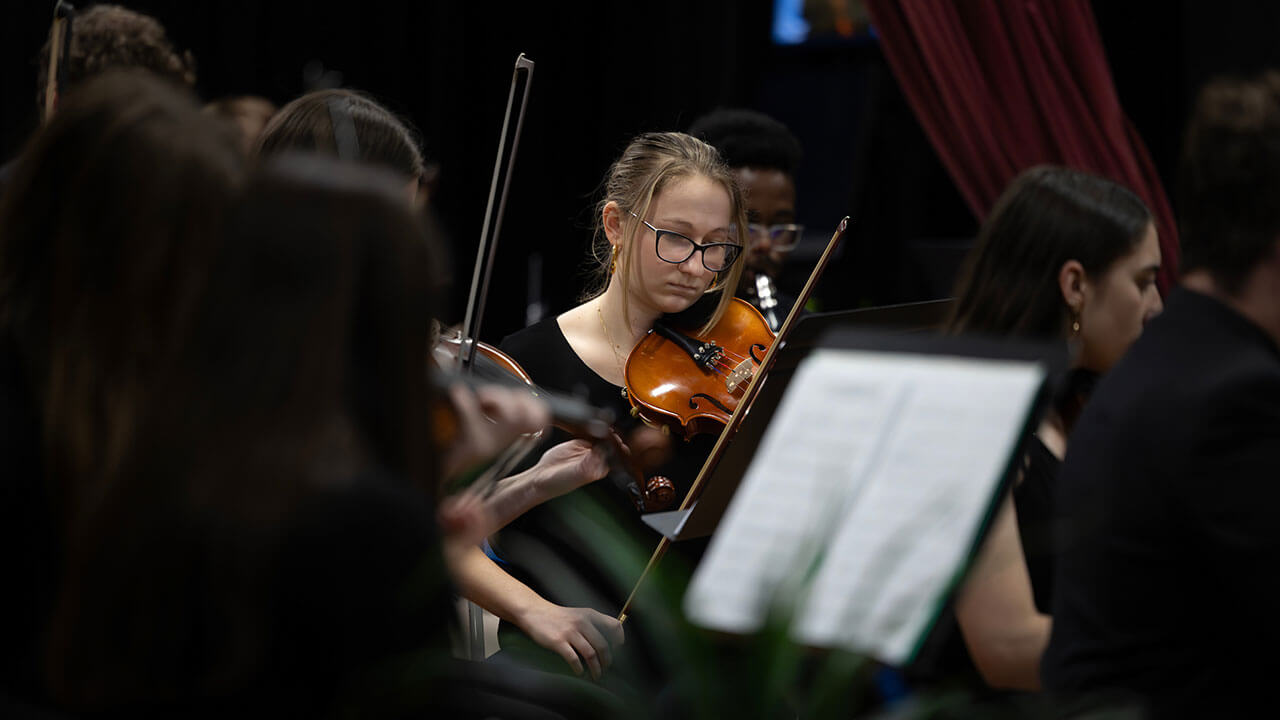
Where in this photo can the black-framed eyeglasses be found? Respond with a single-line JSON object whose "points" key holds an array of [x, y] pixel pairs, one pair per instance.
{"points": [[783, 236], [675, 248]]}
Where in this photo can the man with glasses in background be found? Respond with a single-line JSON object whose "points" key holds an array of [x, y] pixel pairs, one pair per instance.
{"points": [[764, 156]]}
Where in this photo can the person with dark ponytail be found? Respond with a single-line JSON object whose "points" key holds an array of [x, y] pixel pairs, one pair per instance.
{"points": [[315, 122]]}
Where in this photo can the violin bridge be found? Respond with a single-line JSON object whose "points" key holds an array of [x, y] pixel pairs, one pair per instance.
{"points": [[740, 374]]}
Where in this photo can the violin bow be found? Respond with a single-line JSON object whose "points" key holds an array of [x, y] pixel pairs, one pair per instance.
{"points": [[59, 51], [744, 406], [483, 269], [469, 333]]}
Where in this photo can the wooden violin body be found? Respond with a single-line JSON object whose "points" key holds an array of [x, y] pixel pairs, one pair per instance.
{"points": [[691, 384]]}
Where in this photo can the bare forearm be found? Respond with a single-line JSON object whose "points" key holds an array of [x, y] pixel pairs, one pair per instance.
{"points": [[582, 636], [514, 496], [1009, 656], [562, 468], [484, 583], [996, 611]]}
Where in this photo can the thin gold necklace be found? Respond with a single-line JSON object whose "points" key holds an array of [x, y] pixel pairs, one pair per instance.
{"points": [[616, 357]]}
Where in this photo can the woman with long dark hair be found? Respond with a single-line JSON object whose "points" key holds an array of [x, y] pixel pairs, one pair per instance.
{"points": [[1069, 257], [108, 222], [273, 538]]}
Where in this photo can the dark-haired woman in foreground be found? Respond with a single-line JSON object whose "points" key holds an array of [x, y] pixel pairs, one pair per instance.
{"points": [[107, 225], [1062, 256], [273, 545], [278, 501]]}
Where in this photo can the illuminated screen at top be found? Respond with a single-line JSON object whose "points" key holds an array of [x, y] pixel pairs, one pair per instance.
{"points": [[798, 22]]}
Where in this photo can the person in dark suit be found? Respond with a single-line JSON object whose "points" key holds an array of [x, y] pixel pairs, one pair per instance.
{"points": [[1166, 579]]}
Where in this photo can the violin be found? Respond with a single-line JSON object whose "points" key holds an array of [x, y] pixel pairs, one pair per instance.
{"points": [[582, 420], [693, 383]]}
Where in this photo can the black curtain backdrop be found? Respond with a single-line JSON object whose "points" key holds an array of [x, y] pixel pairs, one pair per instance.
{"points": [[605, 72]]}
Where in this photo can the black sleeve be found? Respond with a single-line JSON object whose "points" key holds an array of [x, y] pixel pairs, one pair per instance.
{"points": [[1231, 494], [361, 579]]}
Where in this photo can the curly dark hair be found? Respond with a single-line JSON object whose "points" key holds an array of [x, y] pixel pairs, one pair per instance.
{"points": [[111, 36], [746, 138]]}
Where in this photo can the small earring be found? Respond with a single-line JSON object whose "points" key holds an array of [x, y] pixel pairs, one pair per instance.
{"points": [[1075, 325], [613, 259]]}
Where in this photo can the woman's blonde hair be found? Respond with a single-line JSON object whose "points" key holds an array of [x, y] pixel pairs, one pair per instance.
{"points": [[648, 165]]}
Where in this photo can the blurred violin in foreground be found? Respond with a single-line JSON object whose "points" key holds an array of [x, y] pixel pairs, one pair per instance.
{"points": [[490, 365]]}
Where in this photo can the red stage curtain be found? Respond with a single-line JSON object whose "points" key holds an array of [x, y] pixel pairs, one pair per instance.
{"points": [[1001, 85]]}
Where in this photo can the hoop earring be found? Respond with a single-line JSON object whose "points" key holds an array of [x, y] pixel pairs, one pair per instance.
{"points": [[613, 259]]}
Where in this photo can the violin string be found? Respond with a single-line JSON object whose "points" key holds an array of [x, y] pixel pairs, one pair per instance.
{"points": [[729, 364], [732, 356], [725, 371]]}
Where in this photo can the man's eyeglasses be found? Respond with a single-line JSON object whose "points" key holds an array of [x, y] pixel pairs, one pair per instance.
{"points": [[780, 237], [675, 248]]}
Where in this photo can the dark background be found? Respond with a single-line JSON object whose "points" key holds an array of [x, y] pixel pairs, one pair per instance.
{"points": [[607, 71]]}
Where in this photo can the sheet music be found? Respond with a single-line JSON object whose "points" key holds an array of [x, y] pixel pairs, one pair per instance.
{"points": [[865, 497]]}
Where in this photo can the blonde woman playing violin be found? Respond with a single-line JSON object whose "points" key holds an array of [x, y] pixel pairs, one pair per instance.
{"points": [[666, 238]]}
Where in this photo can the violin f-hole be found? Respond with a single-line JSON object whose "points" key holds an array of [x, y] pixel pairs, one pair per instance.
{"points": [[694, 405]]}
